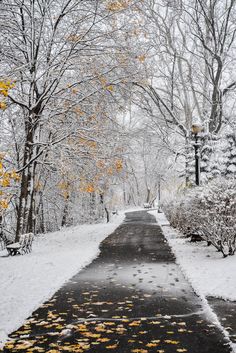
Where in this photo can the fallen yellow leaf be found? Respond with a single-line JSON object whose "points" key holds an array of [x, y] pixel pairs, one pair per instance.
{"points": [[171, 342], [149, 345], [114, 346]]}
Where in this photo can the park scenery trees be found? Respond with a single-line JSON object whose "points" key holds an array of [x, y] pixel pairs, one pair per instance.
{"points": [[108, 106], [97, 104]]}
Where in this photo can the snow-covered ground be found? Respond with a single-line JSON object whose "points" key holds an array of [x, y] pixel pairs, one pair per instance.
{"points": [[27, 281], [209, 273]]}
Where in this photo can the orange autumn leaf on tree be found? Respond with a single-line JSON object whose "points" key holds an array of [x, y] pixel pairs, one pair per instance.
{"points": [[7, 180], [5, 86], [3, 105], [100, 164], [117, 5], [87, 187], [110, 88], [4, 204], [142, 58], [88, 143], [90, 188], [119, 165], [110, 171]]}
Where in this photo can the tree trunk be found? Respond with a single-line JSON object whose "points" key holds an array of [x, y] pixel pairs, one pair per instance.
{"points": [[148, 195], [65, 212], [25, 218], [105, 208]]}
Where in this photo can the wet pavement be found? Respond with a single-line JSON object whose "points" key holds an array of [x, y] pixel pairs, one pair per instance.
{"points": [[132, 299], [226, 312]]}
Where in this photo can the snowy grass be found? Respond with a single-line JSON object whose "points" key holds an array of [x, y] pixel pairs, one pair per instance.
{"points": [[29, 280], [209, 273]]}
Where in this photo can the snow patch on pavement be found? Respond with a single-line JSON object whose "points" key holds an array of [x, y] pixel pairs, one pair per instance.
{"points": [[29, 280]]}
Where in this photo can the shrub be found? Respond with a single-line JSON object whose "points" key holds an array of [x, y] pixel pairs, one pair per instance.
{"points": [[209, 211]]}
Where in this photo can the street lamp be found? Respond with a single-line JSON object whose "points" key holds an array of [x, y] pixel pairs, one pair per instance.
{"points": [[196, 130]]}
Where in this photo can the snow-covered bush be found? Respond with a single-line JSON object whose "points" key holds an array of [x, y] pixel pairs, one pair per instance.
{"points": [[209, 211], [179, 213]]}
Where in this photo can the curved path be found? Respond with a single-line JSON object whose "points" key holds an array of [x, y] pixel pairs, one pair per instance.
{"points": [[132, 299]]}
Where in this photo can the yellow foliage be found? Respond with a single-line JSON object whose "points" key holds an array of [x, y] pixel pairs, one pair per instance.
{"points": [[88, 143], [3, 105], [86, 186], [3, 204], [119, 165], [63, 185], [5, 86], [74, 38], [38, 186], [15, 176], [5, 182], [105, 84], [110, 171], [90, 188], [74, 90], [142, 58], [6, 179], [100, 164], [103, 81], [78, 109], [65, 194], [110, 88], [117, 5], [65, 188]]}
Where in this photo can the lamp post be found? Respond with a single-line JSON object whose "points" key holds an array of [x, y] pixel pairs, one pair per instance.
{"points": [[196, 130], [159, 193]]}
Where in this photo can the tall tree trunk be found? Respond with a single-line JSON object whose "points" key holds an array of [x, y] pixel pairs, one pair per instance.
{"points": [[65, 211], [105, 208], [26, 200], [25, 187]]}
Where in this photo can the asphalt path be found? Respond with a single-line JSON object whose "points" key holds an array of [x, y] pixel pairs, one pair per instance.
{"points": [[132, 299]]}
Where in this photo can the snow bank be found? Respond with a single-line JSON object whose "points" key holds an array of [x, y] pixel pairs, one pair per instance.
{"points": [[27, 281], [209, 273]]}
